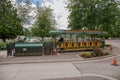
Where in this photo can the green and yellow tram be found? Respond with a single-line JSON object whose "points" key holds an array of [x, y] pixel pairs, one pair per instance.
{"points": [[72, 40]]}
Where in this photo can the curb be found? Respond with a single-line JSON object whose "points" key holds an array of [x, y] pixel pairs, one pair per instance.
{"points": [[39, 61], [64, 60], [101, 57], [99, 75]]}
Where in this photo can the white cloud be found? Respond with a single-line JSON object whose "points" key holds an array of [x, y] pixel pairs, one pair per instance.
{"points": [[13, 1], [59, 10], [61, 13]]}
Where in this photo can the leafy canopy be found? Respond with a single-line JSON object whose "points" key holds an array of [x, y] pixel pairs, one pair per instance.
{"points": [[10, 23], [44, 23], [94, 15]]}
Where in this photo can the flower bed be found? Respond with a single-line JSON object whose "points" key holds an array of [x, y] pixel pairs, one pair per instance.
{"points": [[96, 53]]}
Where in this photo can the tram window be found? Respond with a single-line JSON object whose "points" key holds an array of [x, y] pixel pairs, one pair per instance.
{"points": [[96, 43], [90, 43], [66, 44], [72, 44], [84, 43], [78, 44]]}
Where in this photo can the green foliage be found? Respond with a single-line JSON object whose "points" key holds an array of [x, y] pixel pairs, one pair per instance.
{"points": [[96, 52], [24, 10], [44, 23], [104, 53], [10, 23], [95, 15], [86, 54], [4, 44], [99, 52], [107, 45]]}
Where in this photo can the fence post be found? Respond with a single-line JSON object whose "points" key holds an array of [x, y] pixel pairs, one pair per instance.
{"points": [[43, 49]]}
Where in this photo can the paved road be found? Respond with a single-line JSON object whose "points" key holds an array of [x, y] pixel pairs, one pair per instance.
{"points": [[52, 71], [86, 77], [114, 42], [37, 71], [100, 67], [103, 67]]}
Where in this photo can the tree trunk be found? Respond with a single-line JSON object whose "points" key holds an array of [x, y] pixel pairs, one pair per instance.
{"points": [[42, 39]]}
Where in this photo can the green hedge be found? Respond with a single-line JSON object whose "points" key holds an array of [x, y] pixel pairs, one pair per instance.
{"points": [[107, 45], [99, 52], [96, 52], [86, 54], [3, 45]]}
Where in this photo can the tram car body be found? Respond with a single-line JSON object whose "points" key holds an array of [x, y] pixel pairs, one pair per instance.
{"points": [[70, 40]]}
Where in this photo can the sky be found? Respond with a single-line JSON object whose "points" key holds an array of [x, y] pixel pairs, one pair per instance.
{"points": [[37, 1], [59, 11]]}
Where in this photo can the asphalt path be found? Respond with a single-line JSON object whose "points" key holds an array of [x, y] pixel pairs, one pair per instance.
{"points": [[38, 71]]}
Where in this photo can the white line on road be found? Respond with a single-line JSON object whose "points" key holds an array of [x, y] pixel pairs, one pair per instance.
{"points": [[98, 75]]}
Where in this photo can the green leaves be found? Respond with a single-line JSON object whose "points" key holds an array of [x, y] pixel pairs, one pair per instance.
{"points": [[94, 15], [44, 23], [10, 23]]}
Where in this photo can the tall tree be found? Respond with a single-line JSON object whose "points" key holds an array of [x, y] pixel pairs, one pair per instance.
{"points": [[94, 14], [24, 9], [10, 23], [44, 23], [27, 13]]}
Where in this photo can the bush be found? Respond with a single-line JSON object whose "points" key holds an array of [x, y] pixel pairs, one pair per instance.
{"points": [[99, 52], [107, 45], [86, 54], [4, 44], [104, 53]]}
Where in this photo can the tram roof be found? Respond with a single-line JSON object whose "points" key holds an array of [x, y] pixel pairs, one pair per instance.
{"points": [[77, 32]]}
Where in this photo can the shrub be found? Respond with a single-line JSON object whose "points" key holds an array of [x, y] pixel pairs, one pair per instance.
{"points": [[104, 53], [107, 45], [86, 54], [4, 44], [99, 52]]}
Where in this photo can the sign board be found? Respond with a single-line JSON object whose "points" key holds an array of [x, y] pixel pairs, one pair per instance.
{"points": [[28, 44]]}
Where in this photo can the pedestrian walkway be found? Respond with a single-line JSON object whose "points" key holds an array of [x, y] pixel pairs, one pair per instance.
{"points": [[62, 57], [47, 58], [38, 71], [3, 53]]}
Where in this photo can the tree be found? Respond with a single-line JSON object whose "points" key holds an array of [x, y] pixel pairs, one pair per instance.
{"points": [[10, 23], [44, 23], [24, 9], [94, 15], [25, 12]]}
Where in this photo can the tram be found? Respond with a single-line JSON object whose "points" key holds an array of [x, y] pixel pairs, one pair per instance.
{"points": [[72, 40]]}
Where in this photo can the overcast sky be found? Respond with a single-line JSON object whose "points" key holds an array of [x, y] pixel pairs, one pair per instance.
{"points": [[59, 11]]}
